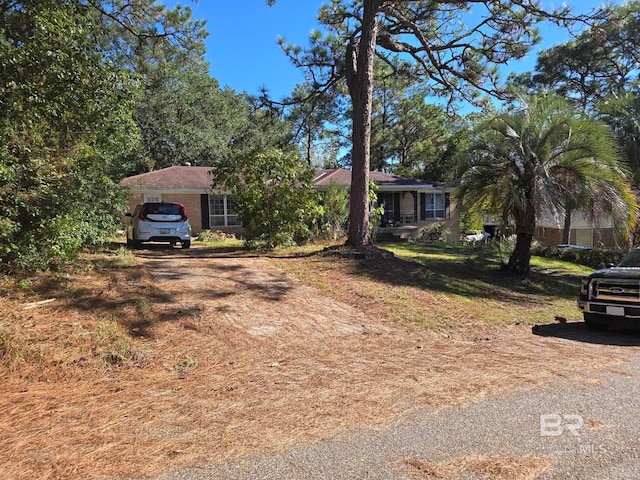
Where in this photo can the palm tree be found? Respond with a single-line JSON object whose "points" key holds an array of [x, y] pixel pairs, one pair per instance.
{"points": [[543, 156]]}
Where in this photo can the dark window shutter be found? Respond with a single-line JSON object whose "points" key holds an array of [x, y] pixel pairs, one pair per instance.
{"points": [[447, 205], [204, 210], [423, 214]]}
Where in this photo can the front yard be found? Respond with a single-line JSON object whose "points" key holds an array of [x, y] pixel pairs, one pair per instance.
{"points": [[447, 287], [195, 357]]}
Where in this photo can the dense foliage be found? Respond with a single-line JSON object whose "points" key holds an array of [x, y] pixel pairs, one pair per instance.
{"points": [[408, 135], [335, 212], [93, 91], [594, 258], [273, 189], [66, 125], [185, 118]]}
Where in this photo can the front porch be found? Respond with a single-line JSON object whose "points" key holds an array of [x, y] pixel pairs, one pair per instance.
{"points": [[401, 208]]}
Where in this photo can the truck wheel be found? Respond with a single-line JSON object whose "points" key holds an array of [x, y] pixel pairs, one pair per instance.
{"points": [[186, 244]]}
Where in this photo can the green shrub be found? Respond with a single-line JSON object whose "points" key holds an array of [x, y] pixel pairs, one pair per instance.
{"points": [[211, 236], [435, 234], [274, 193], [594, 258], [335, 212]]}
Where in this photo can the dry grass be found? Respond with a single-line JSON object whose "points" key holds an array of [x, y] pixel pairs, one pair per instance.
{"points": [[490, 467], [193, 358]]}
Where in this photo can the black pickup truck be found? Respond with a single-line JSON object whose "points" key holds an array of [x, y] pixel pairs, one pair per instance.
{"points": [[612, 295]]}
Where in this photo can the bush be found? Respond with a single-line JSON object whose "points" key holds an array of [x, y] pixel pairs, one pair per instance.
{"points": [[273, 190], [212, 237], [594, 258], [335, 213], [435, 234]]}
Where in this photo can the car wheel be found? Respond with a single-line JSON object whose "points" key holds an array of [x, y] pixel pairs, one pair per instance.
{"points": [[129, 243], [137, 244], [186, 244]]}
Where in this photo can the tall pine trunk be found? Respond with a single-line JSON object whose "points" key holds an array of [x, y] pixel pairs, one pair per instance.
{"points": [[360, 55]]}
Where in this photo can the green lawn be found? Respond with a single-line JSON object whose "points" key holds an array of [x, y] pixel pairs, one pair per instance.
{"points": [[472, 281]]}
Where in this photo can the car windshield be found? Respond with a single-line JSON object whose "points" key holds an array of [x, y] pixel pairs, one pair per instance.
{"points": [[631, 259]]}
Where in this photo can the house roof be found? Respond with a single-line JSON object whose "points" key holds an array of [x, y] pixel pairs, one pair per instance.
{"points": [[172, 177], [341, 176], [187, 177]]}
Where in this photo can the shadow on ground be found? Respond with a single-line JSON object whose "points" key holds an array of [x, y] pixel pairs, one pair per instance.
{"points": [[471, 278], [470, 275], [580, 332], [210, 251]]}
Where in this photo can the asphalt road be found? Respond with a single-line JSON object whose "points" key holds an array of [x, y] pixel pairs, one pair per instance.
{"points": [[587, 430]]}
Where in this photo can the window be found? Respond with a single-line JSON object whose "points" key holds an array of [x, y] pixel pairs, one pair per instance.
{"points": [[232, 213], [223, 212], [436, 206]]}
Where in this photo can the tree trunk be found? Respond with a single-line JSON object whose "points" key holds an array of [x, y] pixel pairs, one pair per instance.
{"points": [[566, 229], [360, 54], [519, 261]]}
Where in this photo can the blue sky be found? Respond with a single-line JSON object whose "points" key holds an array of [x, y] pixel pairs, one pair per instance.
{"points": [[242, 46]]}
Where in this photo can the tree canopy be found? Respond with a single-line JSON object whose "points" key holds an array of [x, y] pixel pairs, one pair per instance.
{"points": [[274, 193], [70, 77], [185, 118], [66, 125], [408, 135], [603, 61]]}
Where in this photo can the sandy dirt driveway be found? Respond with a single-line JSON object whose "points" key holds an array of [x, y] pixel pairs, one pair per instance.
{"points": [[281, 365]]}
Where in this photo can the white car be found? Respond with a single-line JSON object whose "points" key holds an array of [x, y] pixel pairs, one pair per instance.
{"points": [[475, 237], [159, 222]]}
